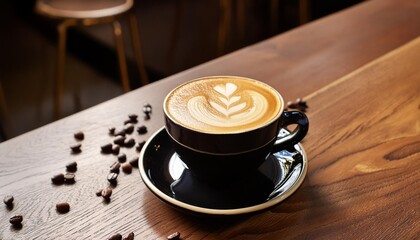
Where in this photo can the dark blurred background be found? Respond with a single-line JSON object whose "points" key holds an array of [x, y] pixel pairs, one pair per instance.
{"points": [[176, 35]]}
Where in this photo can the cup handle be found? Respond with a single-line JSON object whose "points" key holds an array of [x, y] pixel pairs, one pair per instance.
{"points": [[292, 117]]}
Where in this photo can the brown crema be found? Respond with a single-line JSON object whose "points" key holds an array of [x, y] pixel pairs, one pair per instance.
{"points": [[223, 104]]}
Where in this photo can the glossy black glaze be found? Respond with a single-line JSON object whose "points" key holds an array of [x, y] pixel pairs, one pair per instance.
{"points": [[169, 179]]}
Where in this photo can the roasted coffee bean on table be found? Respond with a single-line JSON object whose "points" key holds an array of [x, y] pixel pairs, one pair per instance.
{"points": [[130, 142], [111, 131], [116, 236], [115, 150], [58, 179], [122, 157], [134, 162], [76, 148], [129, 128], [174, 236], [71, 167], [119, 140], [62, 207], [133, 116], [106, 148], [112, 178], [130, 236], [126, 167], [106, 193], [16, 220], [115, 167], [140, 145], [142, 129], [99, 192], [120, 133], [8, 200], [147, 108], [69, 178], [79, 135]]}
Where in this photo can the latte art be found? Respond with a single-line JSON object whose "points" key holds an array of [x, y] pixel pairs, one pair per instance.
{"points": [[223, 104], [226, 109]]}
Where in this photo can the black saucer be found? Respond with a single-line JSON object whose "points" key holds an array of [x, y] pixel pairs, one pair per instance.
{"points": [[168, 178]]}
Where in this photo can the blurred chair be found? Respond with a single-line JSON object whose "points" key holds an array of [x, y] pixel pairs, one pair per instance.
{"points": [[71, 13]]}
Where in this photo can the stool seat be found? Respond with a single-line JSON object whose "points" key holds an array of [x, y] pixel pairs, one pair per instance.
{"points": [[81, 9]]}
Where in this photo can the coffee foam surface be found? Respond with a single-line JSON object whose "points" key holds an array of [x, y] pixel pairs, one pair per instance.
{"points": [[223, 104]]}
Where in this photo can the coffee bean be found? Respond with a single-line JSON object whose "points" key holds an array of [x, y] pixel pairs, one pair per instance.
{"points": [[130, 121], [300, 105], [99, 192], [147, 116], [69, 178], [71, 167], [79, 136], [135, 162], [129, 128], [111, 131], [122, 157], [119, 140], [58, 179], [120, 133], [115, 150], [16, 220], [76, 148], [130, 236], [116, 236], [8, 200], [132, 116], [174, 236], [126, 167], [140, 146], [106, 193], [129, 142], [62, 207], [115, 168], [147, 108], [142, 130], [106, 148], [112, 178]]}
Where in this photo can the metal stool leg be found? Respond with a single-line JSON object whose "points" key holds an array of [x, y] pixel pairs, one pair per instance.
{"points": [[138, 53], [119, 43], [61, 59]]}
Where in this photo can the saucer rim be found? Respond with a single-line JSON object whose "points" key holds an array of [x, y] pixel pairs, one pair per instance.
{"points": [[210, 211]]}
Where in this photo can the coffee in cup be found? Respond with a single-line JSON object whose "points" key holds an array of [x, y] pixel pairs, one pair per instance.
{"points": [[223, 125]]}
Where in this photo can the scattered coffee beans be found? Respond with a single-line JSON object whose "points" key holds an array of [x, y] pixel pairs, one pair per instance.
{"points": [[120, 133], [300, 105], [140, 145], [16, 220], [122, 157], [126, 167], [106, 148], [76, 148], [130, 142], [116, 236], [174, 236], [133, 117], [142, 130], [147, 108], [135, 162], [111, 131], [130, 236], [106, 193], [112, 178], [115, 150], [69, 178], [115, 168], [129, 128], [119, 140], [58, 179], [62, 207], [99, 193], [8, 200], [79, 136], [71, 167]]}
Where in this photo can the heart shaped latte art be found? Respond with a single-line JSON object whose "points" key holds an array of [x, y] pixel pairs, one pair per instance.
{"points": [[228, 107]]}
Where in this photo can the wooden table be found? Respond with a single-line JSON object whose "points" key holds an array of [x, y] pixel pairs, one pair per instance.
{"points": [[359, 71]]}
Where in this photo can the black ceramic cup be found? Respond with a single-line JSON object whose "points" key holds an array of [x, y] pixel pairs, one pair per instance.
{"points": [[226, 126]]}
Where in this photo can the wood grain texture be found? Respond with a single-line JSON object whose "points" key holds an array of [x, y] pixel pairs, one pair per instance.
{"points": [[363, 145]]}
